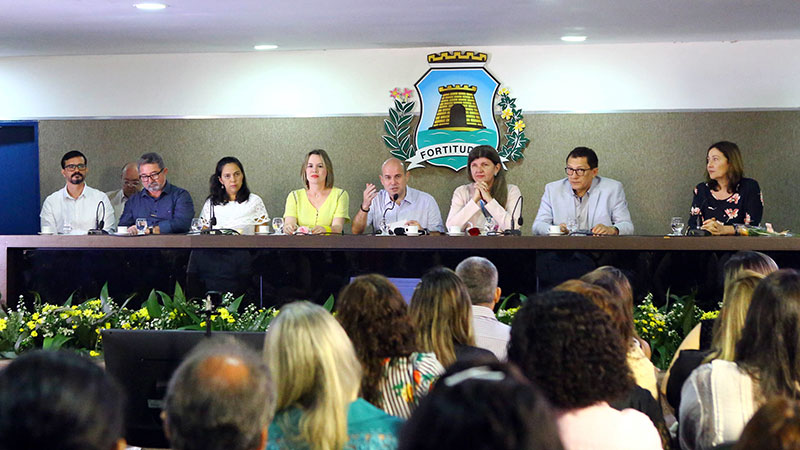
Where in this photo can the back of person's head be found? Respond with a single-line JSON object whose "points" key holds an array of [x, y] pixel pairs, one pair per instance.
{"points": [[315, 369], [613, 306], [442, 313], [375, 316], [482, 407], [614, 281], [568, 347], [775, 426], [735, 303], [480, 277], [220, 397], [747, 260], [770, 341], [59, 400]]}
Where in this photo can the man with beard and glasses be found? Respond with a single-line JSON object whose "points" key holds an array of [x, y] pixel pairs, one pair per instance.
{"points": [[167, 208], [74, 208]]}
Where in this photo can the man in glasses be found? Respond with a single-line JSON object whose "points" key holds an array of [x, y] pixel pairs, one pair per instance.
{"points": [[130, 185], [74, 209], [584, 200], [167, 208]]}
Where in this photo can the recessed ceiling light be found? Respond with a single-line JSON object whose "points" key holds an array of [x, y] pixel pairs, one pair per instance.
{"points": [[150, 6], [573, 38], [265, 47]]}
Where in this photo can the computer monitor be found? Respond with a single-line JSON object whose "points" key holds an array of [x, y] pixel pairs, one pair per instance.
{"points": [[143, 361], [406, 286]]}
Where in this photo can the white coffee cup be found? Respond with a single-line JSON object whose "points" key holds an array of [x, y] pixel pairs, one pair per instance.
{"points": [[555, 229], [412, 229], [454, 229], [47, 230]]}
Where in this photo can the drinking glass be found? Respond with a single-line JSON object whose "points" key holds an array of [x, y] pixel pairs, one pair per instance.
{"points": [[141, 225], [197, 225], [277, 225], [490, 225], [677, 226], [572, 225], [66, 228]]}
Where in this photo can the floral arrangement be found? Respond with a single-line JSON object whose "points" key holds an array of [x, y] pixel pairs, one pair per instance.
{"points": [[78, 326]]}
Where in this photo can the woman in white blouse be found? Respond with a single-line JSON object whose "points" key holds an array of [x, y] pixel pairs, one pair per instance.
{"points": [[230, 201], [487, 196]]}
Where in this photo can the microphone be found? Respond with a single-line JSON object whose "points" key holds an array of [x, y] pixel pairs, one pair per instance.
{"points": [[212, 222], [99, 223], [513, 231], [384, 229]]}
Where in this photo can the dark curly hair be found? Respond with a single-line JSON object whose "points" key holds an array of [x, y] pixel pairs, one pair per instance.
{"points": [[482, 407], [603, 298], [375, 316], [568, 346], [217, 192]]}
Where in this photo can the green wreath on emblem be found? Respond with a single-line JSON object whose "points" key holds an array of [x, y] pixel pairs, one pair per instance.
{"points": [[515, 128], [398, 125]]}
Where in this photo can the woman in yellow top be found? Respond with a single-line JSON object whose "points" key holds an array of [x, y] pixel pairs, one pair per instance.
{"points": [[320, 207]]}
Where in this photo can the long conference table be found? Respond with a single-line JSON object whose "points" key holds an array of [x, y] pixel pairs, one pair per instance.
{"points": [[512, 249]]}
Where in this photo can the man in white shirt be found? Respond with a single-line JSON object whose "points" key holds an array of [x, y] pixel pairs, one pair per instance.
{"points": [[75, 209], [480, 277], [412, 207], [130, 185]]}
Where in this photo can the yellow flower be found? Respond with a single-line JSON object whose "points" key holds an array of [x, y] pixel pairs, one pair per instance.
{"points": [[63, 315], [203, 323], [34, 333], [3, 324], [507, 114], [108, 325], [126, 326], [35, 316], [504, 91], [519, 126], [31, 324], [74, 327], [408, 393], [94, 353], [231, 320]]}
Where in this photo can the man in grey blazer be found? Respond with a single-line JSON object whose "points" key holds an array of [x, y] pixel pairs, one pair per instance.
{"points": [[597, 203]]}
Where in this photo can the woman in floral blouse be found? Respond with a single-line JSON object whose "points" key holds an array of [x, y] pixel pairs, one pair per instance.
{"points": [[726, 199], [375, 316]]}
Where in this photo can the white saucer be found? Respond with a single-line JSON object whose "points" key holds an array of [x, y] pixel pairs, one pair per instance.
{"points": [[46, 234], [555, 234], [262, 234], [413, 234], [460, 233], [124, 233]]}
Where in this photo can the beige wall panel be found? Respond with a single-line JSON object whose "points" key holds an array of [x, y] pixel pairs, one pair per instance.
{"points": [[659, 157]]}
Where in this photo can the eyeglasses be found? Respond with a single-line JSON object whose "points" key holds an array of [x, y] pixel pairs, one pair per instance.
{"points": [[580, 172], [151, 176], [74, 167]]}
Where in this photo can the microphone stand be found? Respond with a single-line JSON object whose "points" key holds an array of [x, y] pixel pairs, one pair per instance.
{"points": [[212, 223], [384, 227], [99, 223], [513, 231]]}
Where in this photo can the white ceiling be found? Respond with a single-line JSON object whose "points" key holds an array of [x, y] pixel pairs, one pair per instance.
{"points": [[94, 27]]}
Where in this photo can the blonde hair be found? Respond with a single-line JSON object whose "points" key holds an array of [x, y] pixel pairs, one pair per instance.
{"points": [[442, 312], [316, 370], [735, 303]]}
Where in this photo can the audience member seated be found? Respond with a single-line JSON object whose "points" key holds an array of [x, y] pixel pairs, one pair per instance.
{"points": [[568, 347], [775, 426], [375, 316], [701, 336], [219, 398], [621, 294], [727, 333], [643, 395], [480, 277], [319, 207], [317, 377], [726, 199], [484, 407], [59, 400], [441, 311], [167, 208], [721, 396], [487, 196]]}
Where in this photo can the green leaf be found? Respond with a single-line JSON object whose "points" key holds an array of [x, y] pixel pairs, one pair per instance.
{"points": [[399, 155], [104, 296], [55, 342], [397, 105], [166, 301], [405, 120], [394, 116], [329, 303], [179, 295], [408, 107], [234, 307], [66, 303], [391, 142], [153, 308], [390, 127], [405, 143]]}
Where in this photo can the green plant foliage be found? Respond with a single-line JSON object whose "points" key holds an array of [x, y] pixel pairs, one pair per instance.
{"points": [[398, 127], [515, 126]]}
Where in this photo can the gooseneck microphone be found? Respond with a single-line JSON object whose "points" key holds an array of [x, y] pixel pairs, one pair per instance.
{"points": [[384, 228], [513, 231], [99, 223], [212, 222]]}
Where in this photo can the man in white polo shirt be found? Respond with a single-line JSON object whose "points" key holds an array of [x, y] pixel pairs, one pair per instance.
{"points": [[480, 277], [74, 208]]}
